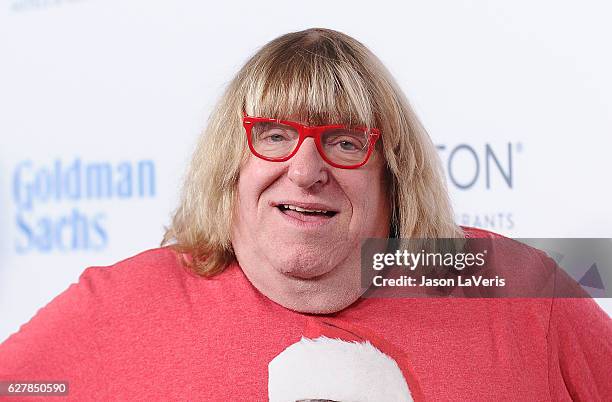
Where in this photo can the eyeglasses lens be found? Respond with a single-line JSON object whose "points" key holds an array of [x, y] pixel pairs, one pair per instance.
{"points": [[274, 140]]}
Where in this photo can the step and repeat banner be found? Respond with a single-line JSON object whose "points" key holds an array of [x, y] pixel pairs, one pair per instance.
{"points": [[101, 103]]}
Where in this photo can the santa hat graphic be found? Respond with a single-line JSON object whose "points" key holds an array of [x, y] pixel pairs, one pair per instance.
{"points": [[338, 361]]}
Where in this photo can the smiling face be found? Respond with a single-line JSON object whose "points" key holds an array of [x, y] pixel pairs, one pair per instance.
{"points": [[298, 227]]}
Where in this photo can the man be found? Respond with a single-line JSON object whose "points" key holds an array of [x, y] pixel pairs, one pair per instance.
{"points": [[312, 149]]}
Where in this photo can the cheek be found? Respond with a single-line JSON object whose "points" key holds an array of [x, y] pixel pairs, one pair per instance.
{"points": [[255, 177], [370, 202]]}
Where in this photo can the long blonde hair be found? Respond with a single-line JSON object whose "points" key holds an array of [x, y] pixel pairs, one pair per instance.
{"points": [[318, 76]]}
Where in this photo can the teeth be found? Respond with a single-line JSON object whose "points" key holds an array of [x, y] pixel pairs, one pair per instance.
{"points": [[298, 209]]}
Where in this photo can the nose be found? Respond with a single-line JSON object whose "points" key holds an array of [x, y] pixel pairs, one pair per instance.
{"points": [[306, 167]]}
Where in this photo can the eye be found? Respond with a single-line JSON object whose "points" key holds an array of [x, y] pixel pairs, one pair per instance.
{"points": [[275, 136], [272, 133], [347, 145], [347, 142]]}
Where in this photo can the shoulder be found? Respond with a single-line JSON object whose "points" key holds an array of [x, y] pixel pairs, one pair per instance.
{"points": [[155, 271], [477, 233], [67, 331], [155, 257], [157, 275], [150, 264], [508, 250]]}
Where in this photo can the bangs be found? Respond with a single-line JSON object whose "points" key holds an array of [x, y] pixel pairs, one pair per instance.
{"points": [[315, 85]]}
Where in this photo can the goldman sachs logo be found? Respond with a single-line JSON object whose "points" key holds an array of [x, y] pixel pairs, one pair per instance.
{"points": [[29, 5], [60, 205]]}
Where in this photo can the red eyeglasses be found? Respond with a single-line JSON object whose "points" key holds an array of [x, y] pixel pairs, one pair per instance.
{"points": [[341, 146]]}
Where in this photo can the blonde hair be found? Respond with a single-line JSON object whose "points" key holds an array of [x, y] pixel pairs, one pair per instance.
{"points": [[317, 76]]}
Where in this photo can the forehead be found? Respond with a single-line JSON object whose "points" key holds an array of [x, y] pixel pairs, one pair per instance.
{"points": [[310, 89]]}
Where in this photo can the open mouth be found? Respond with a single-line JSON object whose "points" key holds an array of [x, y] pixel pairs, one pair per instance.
{"points": [[304, 213]]}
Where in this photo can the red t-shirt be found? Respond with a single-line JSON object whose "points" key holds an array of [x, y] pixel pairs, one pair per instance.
{"points": [[147, 328]]}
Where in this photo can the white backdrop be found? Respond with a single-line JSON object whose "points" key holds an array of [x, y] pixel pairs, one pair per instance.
{"points": [[98, 95]]}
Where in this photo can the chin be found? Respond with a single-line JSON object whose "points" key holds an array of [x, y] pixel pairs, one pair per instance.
{"points": [[305, 265], [304, 281], [315, 300], [304, 271]]}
